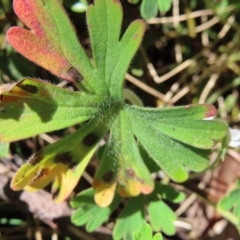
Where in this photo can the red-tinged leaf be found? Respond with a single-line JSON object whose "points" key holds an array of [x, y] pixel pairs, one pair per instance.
{"points": [[25, 43], [46, 43]]}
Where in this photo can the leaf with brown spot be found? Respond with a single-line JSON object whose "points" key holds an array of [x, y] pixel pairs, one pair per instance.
{"points": [[122, 159], [34, 106], [62, 162], [46, 42]]}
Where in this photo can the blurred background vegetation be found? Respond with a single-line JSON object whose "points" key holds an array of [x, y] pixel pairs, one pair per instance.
{"points": [[190, 54]]}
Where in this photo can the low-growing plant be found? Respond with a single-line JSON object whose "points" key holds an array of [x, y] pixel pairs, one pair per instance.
{"points": [[138, 140]]}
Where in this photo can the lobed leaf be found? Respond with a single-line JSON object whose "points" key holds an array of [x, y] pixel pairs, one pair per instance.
{"points": [[51, 41], [64, 160], [90, 214], [112, 55], [130, 219], [121, 166], [177, 139], [169, 130], [32, 106], [144, 232], [161, 217]]}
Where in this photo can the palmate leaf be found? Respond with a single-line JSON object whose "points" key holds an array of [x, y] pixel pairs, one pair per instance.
{"points": [[177, 139], [132, 216], [90, 214], [122, 165], [174, 141]]}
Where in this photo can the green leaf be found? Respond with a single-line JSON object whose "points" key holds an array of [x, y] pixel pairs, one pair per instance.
{"points": [[164, 5], [175, 148], [149, 9], [107, 16], [158, 236], [160, 214], [193, 112], [200, 133], [228, 201], [144, 232], [149, 162], [88, 212], [169, 193], [52, 42], [130, 219], [161, 217], [121, 164], [177, 139], [229, 204], [4, 149], [32, 106], [63, 161]]}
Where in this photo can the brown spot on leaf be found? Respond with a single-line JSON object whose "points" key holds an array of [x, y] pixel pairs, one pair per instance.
{"points": [[90, 139], [107, 177], [36, 158], [127, 102], [55, 193], [42, 173], [75, 74], [66, 159], [130, 173], [28, 88]]}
